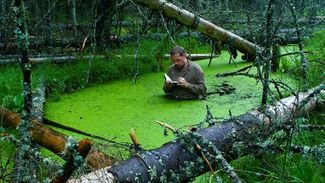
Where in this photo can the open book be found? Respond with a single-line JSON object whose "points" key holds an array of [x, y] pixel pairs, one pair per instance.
{"points": [[167, 78]]}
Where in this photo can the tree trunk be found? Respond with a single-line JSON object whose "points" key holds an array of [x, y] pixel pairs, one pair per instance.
{"points": [[38, 101], [177, 164], [189, 19], [63, 59], [2, 18], [42, 43], [73, 16], [55, 59], [195, 57], [267, 59], [83, 148], [24, 161], [53, 140], [276, 51], [49, 39], [104, 20]]}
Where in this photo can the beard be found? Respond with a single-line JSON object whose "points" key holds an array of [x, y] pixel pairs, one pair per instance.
{"points": [[179, 67]]}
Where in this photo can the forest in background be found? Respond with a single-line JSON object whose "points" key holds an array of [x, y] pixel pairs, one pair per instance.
{"points": [[83, 43]]}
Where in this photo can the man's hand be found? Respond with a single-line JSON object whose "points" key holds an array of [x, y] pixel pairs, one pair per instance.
{"points": [[182, 82], [168, 85]]}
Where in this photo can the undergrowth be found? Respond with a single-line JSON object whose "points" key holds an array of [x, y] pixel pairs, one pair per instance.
{"points": [[268, 166], [315, 47]]}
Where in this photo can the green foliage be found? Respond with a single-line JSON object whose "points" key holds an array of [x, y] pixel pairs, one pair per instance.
{"points": [[298, 167], [315, 65], [316, 70], [285, 65]]}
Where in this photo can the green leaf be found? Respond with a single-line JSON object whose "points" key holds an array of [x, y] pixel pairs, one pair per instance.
{"points": [[18, 100]]}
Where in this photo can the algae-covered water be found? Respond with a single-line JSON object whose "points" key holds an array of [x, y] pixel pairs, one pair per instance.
{"points": [[111, 110]]}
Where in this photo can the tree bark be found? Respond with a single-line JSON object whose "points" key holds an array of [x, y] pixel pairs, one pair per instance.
{"points": [[266, 61], [3, 20], [73, 14], [41, 43], [38, 101], [276, 52], [173, 159], [104, 20], [83, 148], [53, 140], [23, 162], [55, 59], [189, 19], [63, 59], [49, 39]]}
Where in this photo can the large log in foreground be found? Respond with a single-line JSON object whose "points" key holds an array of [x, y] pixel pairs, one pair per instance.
{"points": [[174, 162], [189, 19], [53, 140]]}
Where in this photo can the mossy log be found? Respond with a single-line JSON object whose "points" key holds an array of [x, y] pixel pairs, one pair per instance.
{"points": [[53, 140], [209, 29], [172, 161]]}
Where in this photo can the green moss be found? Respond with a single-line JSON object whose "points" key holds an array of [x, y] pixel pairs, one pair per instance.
{"points": [[112, 109]]}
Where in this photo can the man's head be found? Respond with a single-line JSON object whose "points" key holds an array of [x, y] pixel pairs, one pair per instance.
{"points": [[178, 57]]}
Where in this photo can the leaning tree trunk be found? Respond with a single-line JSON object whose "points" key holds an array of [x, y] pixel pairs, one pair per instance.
{"points": [[175, 162], [189, 19]]}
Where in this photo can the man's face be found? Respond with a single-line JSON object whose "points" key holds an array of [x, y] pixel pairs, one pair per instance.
{"points": [[178, 60]]}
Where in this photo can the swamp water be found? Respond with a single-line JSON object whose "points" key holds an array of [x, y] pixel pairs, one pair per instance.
{"points": [[111, 110]]}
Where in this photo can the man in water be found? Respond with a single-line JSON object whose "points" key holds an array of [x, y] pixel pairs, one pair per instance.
{"points": [[188, 77]]}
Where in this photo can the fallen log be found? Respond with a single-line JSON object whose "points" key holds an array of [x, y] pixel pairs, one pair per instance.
{"points": [[303, 21], [53, 140], [172, 162], [56, 59], [195, 57], [189, 19], [63, 59], [39, 43]]}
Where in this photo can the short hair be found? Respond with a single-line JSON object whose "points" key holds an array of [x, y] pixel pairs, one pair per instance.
{"points": [[177, 49]]}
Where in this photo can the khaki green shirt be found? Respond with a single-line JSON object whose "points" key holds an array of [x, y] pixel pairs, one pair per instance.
{"points": [[193, 74]]}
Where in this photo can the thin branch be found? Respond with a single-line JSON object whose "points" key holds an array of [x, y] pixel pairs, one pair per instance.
{"points": [[167, 126], [301, 47], [165, 26]]}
